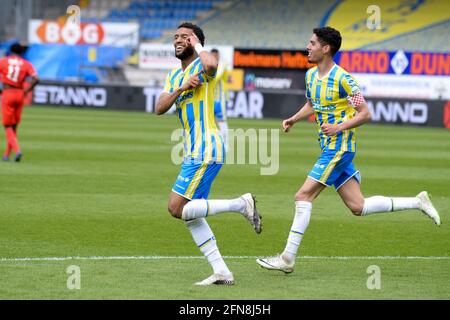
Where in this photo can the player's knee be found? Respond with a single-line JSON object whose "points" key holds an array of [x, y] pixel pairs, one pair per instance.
{"points": [[356, 208], [175, 210], [303, 195]]}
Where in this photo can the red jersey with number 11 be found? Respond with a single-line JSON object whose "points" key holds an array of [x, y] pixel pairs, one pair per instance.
{"points": [[14, 70]]}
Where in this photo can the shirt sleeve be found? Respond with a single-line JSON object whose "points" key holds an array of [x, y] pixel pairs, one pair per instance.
{"points": [[168, 87], [207, 77], [350, 85], [308, 92], [351, 88]]}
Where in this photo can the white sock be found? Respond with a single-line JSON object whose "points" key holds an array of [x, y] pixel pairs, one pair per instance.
{"points": [[377, 204], [223, 126], [201, 208], [301, 221], [206, 242]]}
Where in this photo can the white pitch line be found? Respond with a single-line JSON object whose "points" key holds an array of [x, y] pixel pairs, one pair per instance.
{"points": [[225, 257]]}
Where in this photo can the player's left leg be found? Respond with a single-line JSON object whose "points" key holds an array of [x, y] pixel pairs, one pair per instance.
{"points": [[11, 104], [198, 190], [12, 143], [6, 119], [8, 149], [18, 117], [353, 198], [188, 202], [206, 242], [324, 172]]}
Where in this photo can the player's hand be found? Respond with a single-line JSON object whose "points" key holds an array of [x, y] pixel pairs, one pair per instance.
{"points": [[193, 82], [193, 39], [287, 124], [330, 129]]}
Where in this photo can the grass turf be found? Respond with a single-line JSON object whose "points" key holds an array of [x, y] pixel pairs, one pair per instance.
{"points": [[95, 183]]}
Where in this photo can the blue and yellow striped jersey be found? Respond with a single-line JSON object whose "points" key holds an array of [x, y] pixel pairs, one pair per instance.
{"points": [[195, 108], [329, 99]]}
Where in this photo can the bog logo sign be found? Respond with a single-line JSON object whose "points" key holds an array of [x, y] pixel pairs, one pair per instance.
{"points": [[74, 32], [70, 33]]}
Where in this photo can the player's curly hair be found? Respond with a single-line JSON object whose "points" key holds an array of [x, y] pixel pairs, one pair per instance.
{"points": [[329, 36], [17, 48], [197, 30]]}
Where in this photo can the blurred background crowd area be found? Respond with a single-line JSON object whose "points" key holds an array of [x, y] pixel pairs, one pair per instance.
{"points": [[108, 48]]}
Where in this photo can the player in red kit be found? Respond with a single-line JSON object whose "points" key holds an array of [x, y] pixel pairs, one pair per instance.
{"points": [[14, 70]]}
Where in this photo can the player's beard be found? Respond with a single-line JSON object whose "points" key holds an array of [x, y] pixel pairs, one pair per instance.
{"points": [[186, 53]]}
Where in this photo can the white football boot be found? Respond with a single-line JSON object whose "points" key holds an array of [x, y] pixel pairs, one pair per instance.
{"points": [[251, 213], [276, 263], [427, 207], [218, 279]]}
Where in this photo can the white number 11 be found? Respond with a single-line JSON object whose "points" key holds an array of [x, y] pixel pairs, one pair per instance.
{"points": [[13, 73]]}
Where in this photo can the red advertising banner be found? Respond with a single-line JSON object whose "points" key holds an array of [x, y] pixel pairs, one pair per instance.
{"points": [[271, 59]]}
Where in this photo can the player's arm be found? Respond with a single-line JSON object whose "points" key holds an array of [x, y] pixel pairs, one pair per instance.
{"points": [[362, 116], [304, 112], [34, 81], [355, 99], [209, 62], [166, 99]]}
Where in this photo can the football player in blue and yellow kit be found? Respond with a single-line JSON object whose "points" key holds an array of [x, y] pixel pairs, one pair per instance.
{"points": [[191, 88], [339, 107]]}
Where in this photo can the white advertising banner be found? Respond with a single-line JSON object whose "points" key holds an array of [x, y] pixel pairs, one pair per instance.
{"points": [[104, 33], [162, 56], [404, 86], [157, 56]]}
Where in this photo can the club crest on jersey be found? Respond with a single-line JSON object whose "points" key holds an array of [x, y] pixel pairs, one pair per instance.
{"points": [[329, 93]]}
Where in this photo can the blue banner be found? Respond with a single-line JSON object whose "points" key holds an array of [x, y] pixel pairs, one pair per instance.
{"points": [[64, 62], [395, 62]]}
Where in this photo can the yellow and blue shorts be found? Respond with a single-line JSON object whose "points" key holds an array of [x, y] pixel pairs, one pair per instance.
{"points": [[334, 167], [195, 179]]}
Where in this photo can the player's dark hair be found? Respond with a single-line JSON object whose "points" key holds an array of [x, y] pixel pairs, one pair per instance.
{"points": [[197, 30], [329, 36], [214, 50], [17, 48]]}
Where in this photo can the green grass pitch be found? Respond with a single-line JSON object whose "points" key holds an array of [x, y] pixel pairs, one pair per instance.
{"points": [[95, 184]]}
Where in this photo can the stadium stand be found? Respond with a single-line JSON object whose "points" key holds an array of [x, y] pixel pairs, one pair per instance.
{"points": [[154, 16], [435, 38], [266, 23], [7, 20], [288, 24], [397, 18], [416, 25]]}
